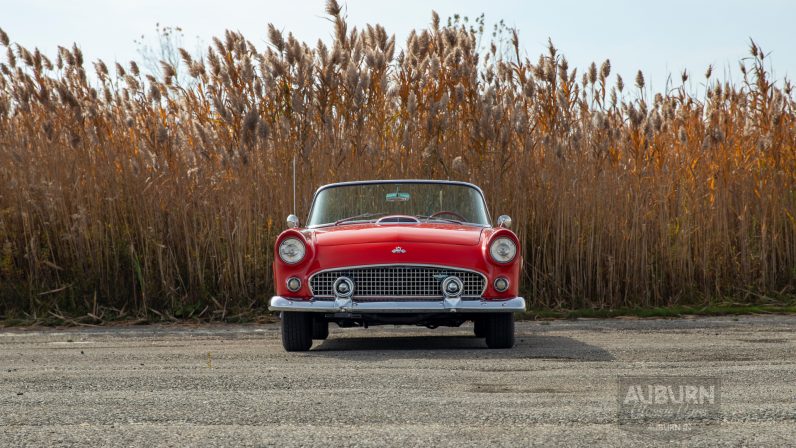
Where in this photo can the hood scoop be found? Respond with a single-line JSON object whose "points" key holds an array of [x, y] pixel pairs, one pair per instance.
{"points": [[398, 219]]}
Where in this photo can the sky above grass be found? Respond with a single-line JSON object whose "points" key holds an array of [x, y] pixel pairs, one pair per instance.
{"points": [[659, 38]]}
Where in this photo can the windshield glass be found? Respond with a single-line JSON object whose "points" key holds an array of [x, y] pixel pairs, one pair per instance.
{"points": [[427, 201]]}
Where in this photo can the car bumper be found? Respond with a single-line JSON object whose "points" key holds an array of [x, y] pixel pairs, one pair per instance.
{"points": [[514, 304]]}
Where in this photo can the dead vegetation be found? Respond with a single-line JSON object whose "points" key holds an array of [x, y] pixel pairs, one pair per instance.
{"points": [[124, 191]]}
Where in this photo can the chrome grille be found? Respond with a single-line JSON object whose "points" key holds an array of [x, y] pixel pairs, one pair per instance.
{"points": [[397, 282]]}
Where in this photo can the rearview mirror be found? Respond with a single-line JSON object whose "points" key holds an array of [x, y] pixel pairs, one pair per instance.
{"points": [[398, 197], [292, 221]]}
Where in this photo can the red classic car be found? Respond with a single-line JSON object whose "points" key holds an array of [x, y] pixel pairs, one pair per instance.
{"points": [[416, 252]]}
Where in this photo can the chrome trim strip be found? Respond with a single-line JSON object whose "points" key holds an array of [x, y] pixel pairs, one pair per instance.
{"points": [[394, 265], [514, 304]]}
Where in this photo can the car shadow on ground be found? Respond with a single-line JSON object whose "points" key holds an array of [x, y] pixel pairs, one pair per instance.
{"points": [[551, 347]]}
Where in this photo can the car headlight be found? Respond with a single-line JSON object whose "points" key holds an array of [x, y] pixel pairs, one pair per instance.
{"points": [[292, 250], [503, 250]]}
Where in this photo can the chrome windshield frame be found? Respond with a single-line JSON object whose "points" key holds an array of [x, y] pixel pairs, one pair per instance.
{"points": [[400, 181]]}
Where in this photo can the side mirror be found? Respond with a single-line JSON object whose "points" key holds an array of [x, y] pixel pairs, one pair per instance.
{"points": [[292, 221], [504, 221]]}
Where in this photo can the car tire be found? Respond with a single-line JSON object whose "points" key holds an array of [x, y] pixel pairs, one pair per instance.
{"points": [[500, 331], [296, 331], [480, 327], [320, 328]]}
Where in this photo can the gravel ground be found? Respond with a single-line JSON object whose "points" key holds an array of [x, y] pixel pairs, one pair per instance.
{"points": [[230, 385]]}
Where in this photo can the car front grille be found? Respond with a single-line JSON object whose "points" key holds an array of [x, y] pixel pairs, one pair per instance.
{"points": [[375, 283]]}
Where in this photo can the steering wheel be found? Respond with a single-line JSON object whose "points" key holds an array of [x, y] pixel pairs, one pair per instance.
{"points": [[448, 212]]}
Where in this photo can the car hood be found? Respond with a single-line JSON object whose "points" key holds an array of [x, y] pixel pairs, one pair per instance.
{"points": [[456, 234]]}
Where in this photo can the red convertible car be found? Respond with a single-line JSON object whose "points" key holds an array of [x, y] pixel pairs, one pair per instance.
{"points": [[417, 252]]}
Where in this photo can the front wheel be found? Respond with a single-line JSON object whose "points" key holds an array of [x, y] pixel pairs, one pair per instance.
{"points": [[500, 331], [320, 328], [296, 331], [480, 327]]}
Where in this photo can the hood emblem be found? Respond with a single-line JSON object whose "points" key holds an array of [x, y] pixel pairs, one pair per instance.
{"points": [[399, 250]]}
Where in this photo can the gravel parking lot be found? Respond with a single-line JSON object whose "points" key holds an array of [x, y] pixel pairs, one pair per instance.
{"points": [[219, 384]]}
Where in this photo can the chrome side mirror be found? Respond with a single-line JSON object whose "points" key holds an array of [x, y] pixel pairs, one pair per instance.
{"points": [[504, 221], [292, 221]]}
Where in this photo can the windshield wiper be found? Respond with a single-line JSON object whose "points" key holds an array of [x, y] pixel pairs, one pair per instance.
{"points": [[428, 218], [363, 215]]}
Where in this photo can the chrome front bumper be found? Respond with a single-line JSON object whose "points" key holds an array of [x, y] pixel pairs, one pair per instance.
{"points": [[515, 304]]}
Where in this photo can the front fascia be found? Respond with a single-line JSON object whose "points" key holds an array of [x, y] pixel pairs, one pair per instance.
{"points": [[474, 258]]}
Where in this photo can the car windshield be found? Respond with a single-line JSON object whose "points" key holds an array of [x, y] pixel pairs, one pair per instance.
{"points": [[350, 203]]}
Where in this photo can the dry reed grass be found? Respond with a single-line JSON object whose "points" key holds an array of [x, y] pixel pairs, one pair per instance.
{"points": [[139, 194]]}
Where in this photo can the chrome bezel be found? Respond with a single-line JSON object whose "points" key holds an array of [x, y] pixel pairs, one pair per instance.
{"points": [[492, 243], [350, 287], [419, 265], [279, 252], [287, 284], [508, 284], [448, 280]]}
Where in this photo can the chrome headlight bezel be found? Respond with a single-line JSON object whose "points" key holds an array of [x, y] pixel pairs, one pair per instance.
{"points": [[505, 256], [292, 250]]}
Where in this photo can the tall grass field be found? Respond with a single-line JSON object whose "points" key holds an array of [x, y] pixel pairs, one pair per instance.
{"points": [[127, 194]]}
